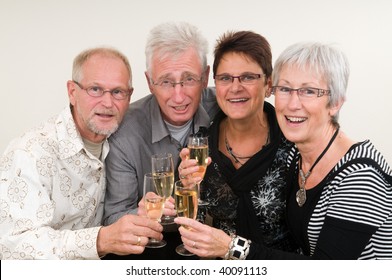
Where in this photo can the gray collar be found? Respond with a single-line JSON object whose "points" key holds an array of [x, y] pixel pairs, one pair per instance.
{"points": [[159, 129]]}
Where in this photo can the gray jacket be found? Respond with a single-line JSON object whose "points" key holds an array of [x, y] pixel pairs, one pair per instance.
{"points": [[142, 134]]}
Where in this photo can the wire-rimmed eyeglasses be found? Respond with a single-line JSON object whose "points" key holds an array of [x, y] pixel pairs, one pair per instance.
{"points": [[306, 93], [97, 91], [246, 79], [169, 84]]}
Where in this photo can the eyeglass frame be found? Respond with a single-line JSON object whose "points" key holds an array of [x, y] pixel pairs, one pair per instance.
{"points": [[320, 92], [128, 93], [240, 78], [173, 84]]}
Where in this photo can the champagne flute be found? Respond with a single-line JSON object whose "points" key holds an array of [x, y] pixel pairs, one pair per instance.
{"points": [[154, 204], [198, 149], [163, 172], [186, 206]]}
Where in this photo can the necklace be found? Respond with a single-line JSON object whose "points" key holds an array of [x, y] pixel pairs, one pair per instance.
{"points": [[237, 158], [301, 193], [231, 153]]}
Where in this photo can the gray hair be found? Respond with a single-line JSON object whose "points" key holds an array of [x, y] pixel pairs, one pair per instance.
{"points": [[323, 59], [80, 59], [173, 39]]}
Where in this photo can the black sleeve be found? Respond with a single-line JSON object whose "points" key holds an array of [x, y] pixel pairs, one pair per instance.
{"points": [[338, 240], [261, 252], [342, 239]]}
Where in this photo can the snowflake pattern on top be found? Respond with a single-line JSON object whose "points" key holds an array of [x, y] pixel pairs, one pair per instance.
{"points": [[268, 198]]}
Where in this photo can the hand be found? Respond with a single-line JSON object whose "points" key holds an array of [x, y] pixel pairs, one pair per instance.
{"points": [[188, 167], [169, 209], [203, 240], [128, 235]]}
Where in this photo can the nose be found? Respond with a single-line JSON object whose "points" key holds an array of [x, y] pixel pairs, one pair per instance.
{"points": [[107, 98], [178, 95], [235, 84], [294, 102]]}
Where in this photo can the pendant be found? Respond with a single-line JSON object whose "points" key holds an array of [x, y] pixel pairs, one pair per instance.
{"points": [[301, 197]]}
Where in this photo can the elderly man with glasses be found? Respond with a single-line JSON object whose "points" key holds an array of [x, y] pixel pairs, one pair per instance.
{"points": [[179, 104], [52, 178]]}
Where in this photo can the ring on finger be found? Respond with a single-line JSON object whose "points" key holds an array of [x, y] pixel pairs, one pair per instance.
{"points": [[138, 241], [194, 245]]}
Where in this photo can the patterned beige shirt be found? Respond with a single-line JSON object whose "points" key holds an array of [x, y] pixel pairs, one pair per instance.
{"points": [[51, 194]]}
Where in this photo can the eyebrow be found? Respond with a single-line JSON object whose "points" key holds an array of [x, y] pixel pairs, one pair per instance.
{"points": [[183, 74], [303, 85]]}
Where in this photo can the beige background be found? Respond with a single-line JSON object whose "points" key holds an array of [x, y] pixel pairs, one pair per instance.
{"points": [[40, 38]]}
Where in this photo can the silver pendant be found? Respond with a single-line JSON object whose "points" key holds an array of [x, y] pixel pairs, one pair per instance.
{"points": [[301, 197]]}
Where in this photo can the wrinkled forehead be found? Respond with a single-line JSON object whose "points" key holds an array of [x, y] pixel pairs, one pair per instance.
{"points": [[164, 64], [312, 70]]}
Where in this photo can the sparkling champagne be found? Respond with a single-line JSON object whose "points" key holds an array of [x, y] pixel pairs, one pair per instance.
{"points": [[200, 153], [164, 182], [186, 203], [154, 207]]}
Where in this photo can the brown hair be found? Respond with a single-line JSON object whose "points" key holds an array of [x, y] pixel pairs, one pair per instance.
{"points": [[249, 43]]}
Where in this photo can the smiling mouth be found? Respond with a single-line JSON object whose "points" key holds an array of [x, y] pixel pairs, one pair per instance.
{"points": [[105, 115], [238, 100], [295, 119], [180, 108]]}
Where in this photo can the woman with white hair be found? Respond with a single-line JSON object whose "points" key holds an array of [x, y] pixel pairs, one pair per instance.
{"points": [[339, 193], [339, 199]]}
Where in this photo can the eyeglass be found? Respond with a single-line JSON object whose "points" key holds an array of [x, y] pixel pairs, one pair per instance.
{"points": [[303, 93], [96, 91], [246, 79], [168, 84]]}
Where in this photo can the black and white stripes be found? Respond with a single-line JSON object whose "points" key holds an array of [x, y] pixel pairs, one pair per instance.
{"points": [[357, 190]]}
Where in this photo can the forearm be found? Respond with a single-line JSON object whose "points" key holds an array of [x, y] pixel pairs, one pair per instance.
{"points": [[47, 243]]}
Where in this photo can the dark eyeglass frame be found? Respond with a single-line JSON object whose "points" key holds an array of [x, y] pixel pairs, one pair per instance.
{"points": [[121, 94], [241, 78]]}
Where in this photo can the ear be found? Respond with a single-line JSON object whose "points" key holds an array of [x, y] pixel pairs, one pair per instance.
{"points": [[333, 110], [149, 83], [206, 75], [71, 88], [268, 87]]}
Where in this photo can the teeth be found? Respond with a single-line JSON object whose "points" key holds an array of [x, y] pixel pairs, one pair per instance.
{"points": [[180, 108], [295, 119], [238, 100]]}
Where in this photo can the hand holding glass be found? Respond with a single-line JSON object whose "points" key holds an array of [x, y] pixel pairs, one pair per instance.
{"points": [[154, 204]]}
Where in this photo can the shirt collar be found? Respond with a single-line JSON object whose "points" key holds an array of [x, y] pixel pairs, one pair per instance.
{"points": [[70, 140], [159, 129]]}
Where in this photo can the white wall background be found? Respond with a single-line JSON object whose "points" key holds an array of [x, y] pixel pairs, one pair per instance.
{"points": [[40, 38]]}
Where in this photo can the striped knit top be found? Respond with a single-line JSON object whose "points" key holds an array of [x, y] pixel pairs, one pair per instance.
{"points": [[349, 214]]}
